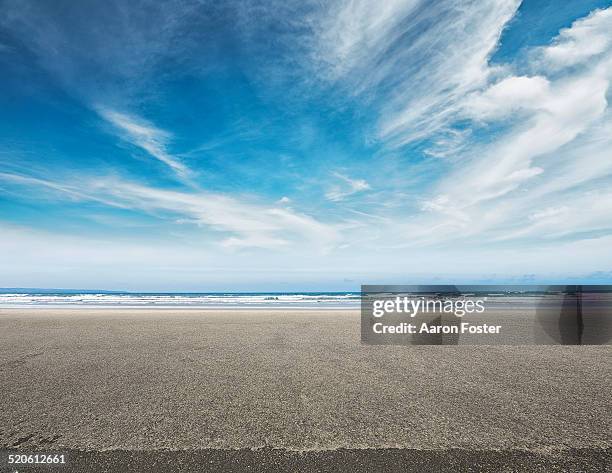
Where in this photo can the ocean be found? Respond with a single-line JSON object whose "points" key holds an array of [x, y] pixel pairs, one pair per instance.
{"points": [[301, 300]]}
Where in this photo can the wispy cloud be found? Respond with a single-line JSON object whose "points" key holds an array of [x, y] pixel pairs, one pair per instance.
{"points": [[419, 58], [585, 40], [354, 34], [347, 188], [146, 136], [100, 50], [552, 160], [236, 223]]}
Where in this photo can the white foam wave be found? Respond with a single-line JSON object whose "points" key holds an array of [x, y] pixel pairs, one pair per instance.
{"points": [[181, 300]]}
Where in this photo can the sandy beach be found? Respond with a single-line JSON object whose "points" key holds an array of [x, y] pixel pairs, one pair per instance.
{"points": [[292, 388]]}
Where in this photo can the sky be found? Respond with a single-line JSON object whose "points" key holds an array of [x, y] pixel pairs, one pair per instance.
{"points": [[304, 145]]}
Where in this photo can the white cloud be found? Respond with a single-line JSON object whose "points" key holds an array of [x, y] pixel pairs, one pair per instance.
{"points": [[553, 113], [347, 188], [508, 96], [239, 223], [586, 38], [587, 214], [419, 58], [99, 51], [35, 258], [146, 136], [505, 165], [249, 225], [547, 175], [354, 33]]}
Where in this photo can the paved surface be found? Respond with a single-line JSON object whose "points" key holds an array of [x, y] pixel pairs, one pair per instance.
{"points": [[138, 380], [332, 461]]}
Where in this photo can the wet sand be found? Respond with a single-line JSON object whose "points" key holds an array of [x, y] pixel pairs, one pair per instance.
{"points": [[270, 387]]}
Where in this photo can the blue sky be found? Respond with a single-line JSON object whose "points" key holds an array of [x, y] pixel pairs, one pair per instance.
{"points": [[280, 145]]}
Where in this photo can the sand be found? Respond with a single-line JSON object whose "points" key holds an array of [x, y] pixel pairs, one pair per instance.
{"points": [[295, 384]]}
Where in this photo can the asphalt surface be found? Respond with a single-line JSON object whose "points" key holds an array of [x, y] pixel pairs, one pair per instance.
{"points": [[332, 461], [283, 388]]}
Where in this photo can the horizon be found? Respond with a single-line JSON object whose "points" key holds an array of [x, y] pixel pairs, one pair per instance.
{"points": [[536, 286], [304, 146]]}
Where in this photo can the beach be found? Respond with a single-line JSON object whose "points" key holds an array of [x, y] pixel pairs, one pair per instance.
{"points": [[291, 386]]}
